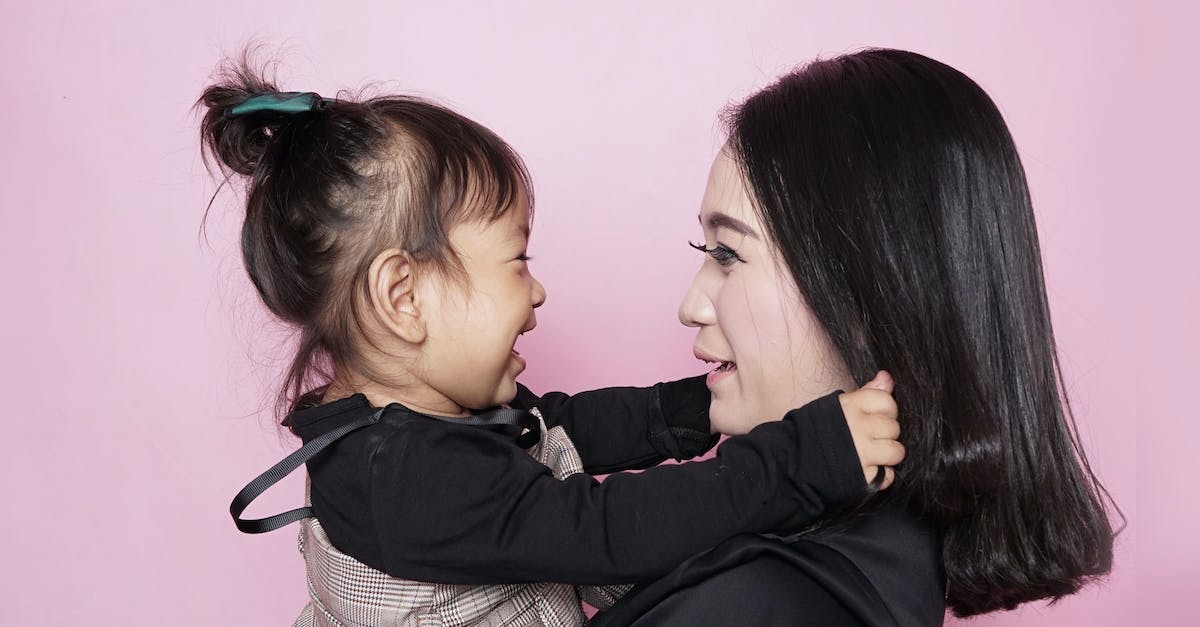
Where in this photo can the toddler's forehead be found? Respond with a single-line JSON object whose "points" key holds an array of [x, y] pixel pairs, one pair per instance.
{"points": [[517, 218], [514, 224]]}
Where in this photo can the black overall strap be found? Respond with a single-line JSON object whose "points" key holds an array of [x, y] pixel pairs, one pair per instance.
{"points": [[284, 468], [515, 423], [518, 424]]}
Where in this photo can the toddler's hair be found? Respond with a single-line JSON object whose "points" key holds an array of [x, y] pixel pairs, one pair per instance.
{"points": [[328, 189]]}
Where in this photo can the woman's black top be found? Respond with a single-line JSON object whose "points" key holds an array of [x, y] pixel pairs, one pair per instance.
{"points": [[881, 567]]}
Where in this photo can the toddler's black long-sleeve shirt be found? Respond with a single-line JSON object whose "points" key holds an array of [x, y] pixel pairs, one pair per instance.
{"points": [[429, 499]]}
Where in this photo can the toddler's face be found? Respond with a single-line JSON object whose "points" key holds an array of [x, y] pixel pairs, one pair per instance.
{"points": [[470, 354], [769, 352]]}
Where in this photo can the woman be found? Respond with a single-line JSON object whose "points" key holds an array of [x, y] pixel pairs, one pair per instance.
{"points": [[870, 211]]}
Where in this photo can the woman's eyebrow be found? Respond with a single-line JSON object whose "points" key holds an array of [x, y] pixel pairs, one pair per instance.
{"points": [[715, 220]]}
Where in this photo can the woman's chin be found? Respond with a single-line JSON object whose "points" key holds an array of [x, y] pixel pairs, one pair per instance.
{"points": [[729, 419]]}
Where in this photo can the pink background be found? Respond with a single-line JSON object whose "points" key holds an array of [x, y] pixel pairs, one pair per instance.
{"points": [[136, 361]]}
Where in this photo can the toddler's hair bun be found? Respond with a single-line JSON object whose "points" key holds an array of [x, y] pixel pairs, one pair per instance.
{"points": [[238, 142]]}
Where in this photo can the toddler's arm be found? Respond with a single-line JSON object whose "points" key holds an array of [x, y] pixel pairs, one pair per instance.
{"points": [[625, 428], [457, 504]]}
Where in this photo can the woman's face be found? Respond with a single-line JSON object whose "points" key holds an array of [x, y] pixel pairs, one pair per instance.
{"points": [[769, 352]]}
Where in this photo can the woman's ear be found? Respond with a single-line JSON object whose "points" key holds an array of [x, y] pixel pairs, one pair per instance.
{"points": [[391, 281]]}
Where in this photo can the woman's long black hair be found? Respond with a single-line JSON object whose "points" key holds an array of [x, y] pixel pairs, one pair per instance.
{"points": [[893, 190]]}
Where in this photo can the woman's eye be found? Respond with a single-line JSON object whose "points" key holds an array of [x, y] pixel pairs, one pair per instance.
{"points": [[724, 255]]}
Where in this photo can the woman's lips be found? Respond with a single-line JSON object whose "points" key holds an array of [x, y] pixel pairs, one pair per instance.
{"points": [[722, 371]]}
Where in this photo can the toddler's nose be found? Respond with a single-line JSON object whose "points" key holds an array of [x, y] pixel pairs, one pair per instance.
{"points": [[539, 293]]}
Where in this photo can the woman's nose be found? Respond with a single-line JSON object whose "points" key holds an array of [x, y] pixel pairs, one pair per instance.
{"points": [[697, 309]]}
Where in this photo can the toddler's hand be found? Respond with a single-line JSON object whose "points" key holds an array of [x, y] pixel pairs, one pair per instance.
{"points": [[871, 415]]}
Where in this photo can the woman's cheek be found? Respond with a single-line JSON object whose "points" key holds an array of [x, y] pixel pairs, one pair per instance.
{"points": [[773, 373], [754, 397]]}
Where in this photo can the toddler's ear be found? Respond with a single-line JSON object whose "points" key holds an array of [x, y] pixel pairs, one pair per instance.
{"points": [[392, 282]]}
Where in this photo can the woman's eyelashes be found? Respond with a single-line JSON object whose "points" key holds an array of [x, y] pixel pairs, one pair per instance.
{"points": [[724, 255]]}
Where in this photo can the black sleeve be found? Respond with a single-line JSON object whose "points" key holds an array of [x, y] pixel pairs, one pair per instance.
{"points": [[626, 428], [454, 504]]}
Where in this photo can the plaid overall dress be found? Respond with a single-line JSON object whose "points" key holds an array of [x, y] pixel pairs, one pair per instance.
{"points": [[345, 592]]}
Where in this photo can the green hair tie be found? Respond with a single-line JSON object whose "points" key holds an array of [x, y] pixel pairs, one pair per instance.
{"points": [[287, 102]]}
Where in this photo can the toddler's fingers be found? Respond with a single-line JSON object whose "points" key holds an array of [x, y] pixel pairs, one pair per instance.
{"points": [[888, 453], [883, 453], [864, 402], [889, 477], [886, 428], [873, 477], [879, 402], [868, 401], [882, 381]]}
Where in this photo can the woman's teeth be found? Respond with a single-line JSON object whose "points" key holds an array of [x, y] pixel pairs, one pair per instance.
{"points": [[726, 366]]}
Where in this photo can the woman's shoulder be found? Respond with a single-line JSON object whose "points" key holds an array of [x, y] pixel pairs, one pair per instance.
{"points": [[899, 553], [768, 589], [880, 567]]}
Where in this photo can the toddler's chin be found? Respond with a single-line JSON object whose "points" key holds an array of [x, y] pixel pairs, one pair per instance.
{"points": [[507, 392]]}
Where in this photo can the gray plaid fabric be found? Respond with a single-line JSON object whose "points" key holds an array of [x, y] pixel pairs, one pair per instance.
{"points": [[345, 592]]}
